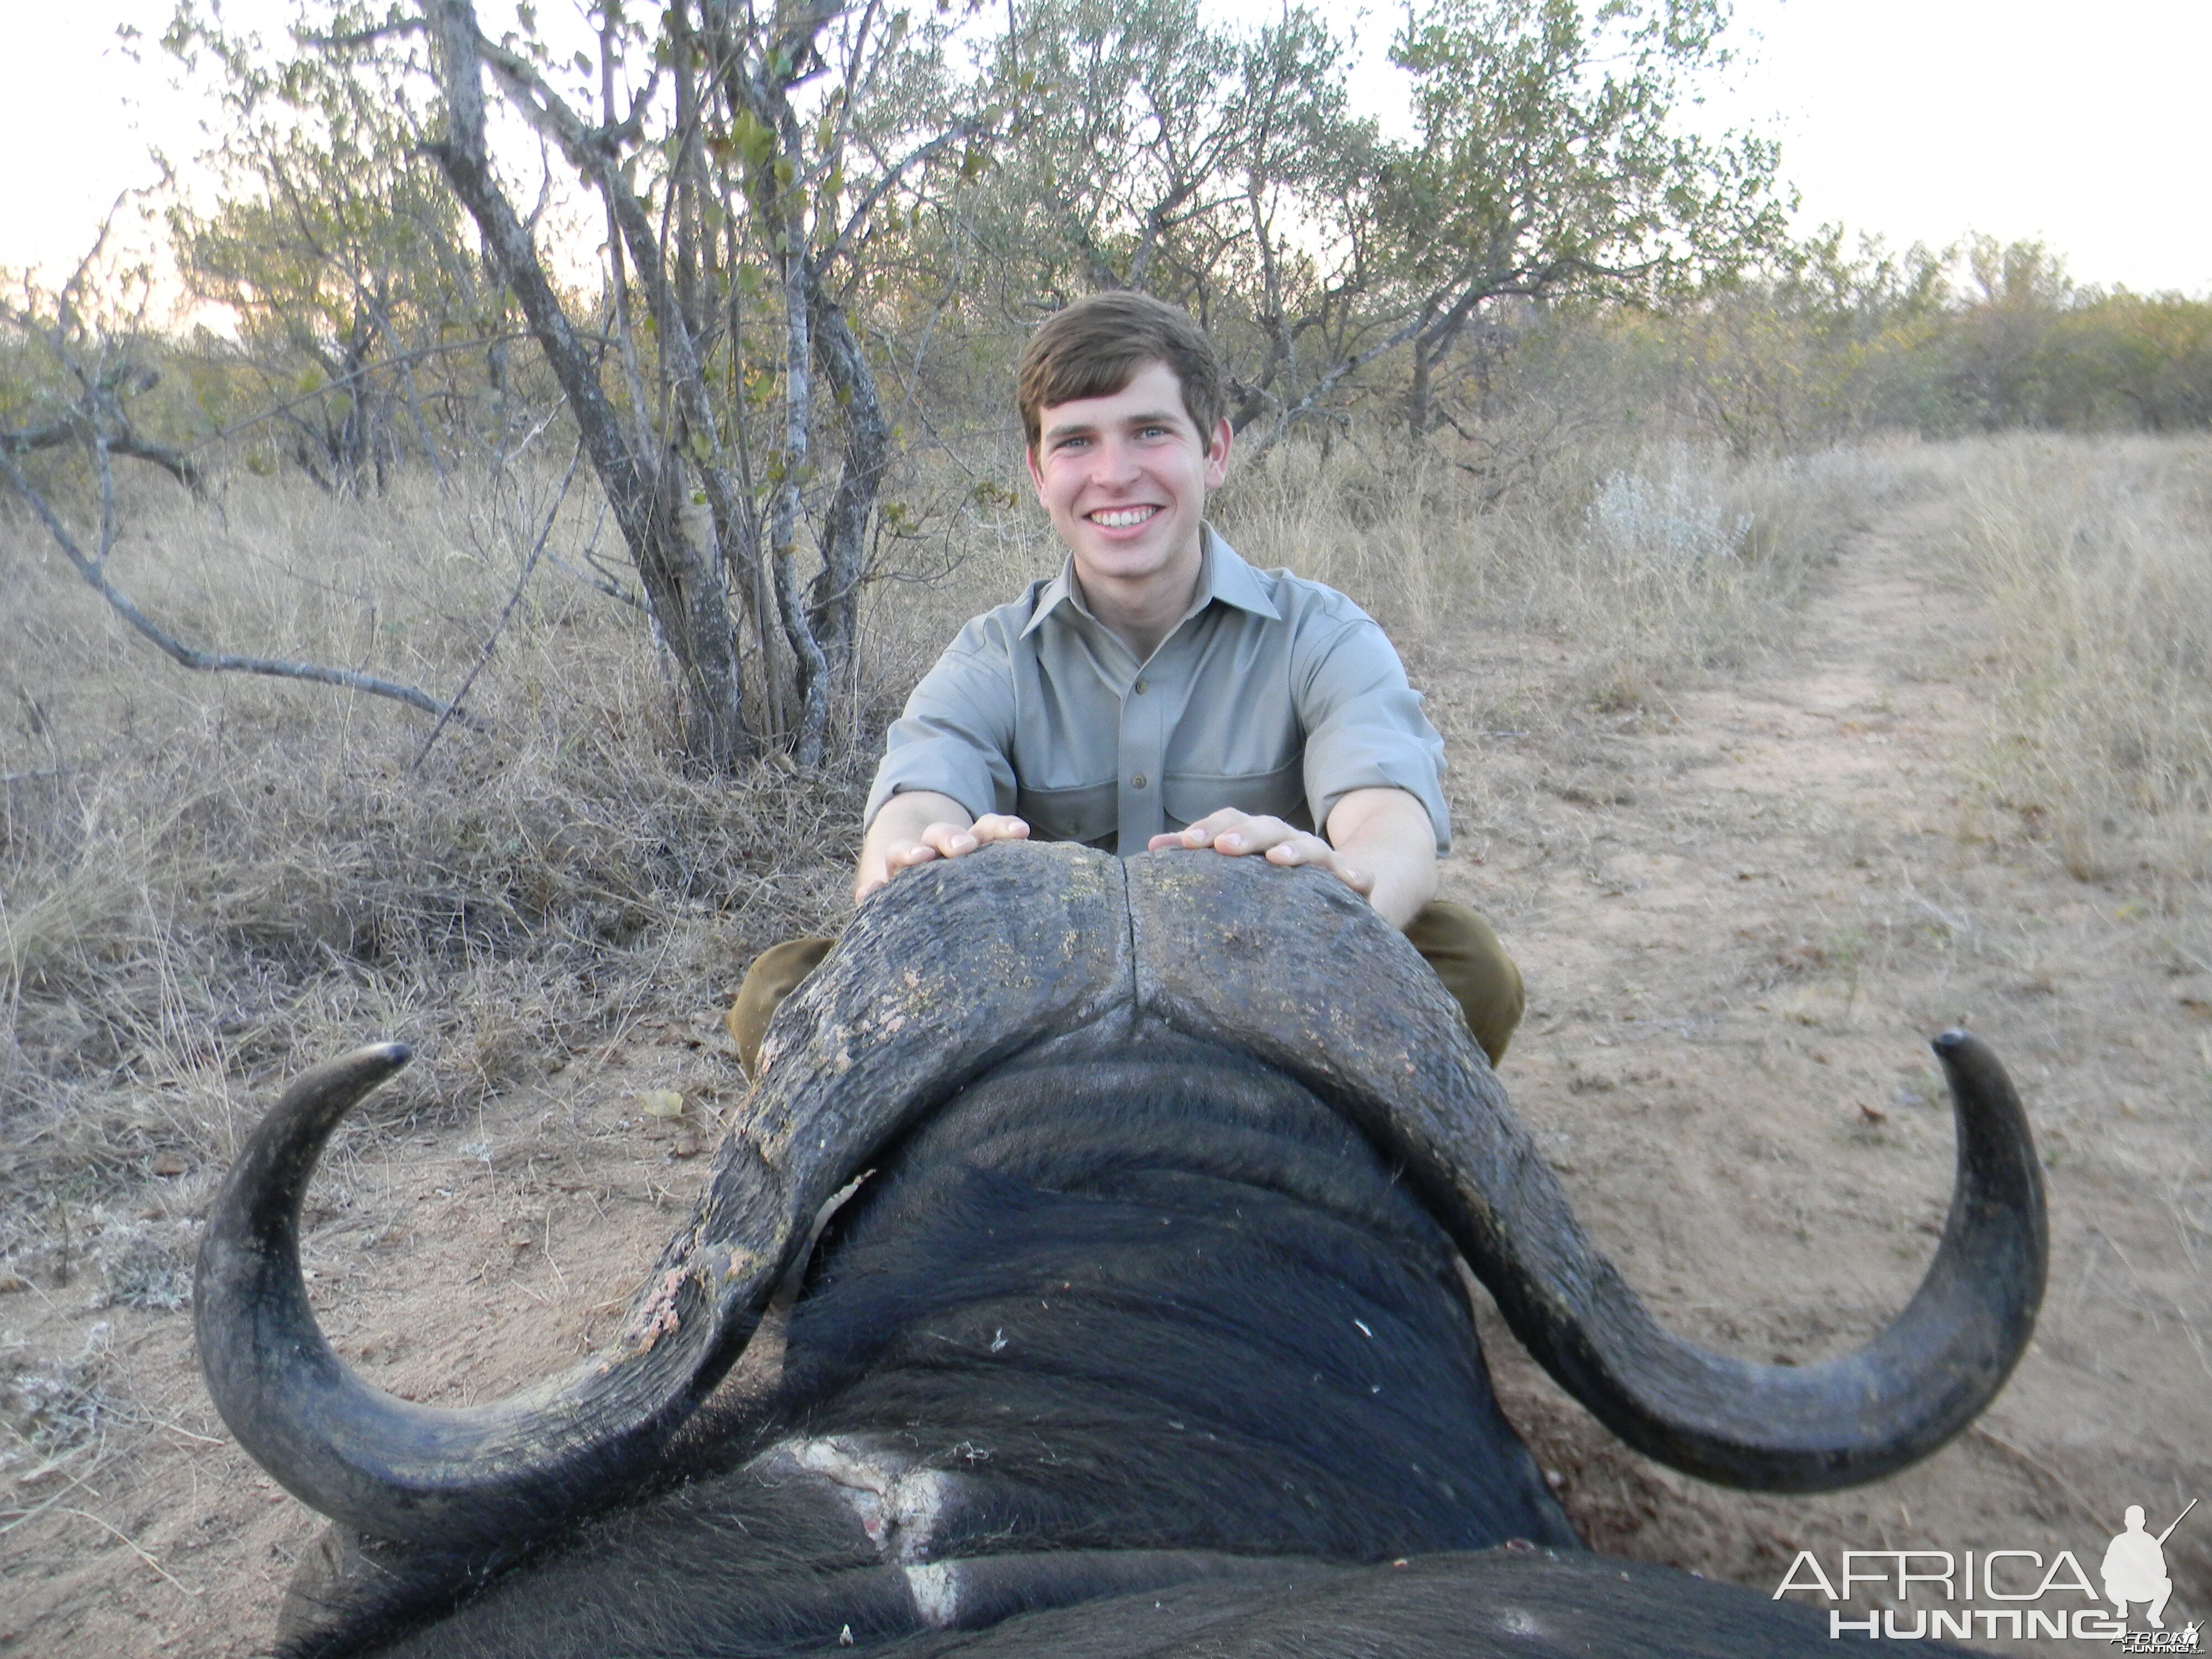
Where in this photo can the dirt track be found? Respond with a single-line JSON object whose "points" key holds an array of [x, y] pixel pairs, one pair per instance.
{"points": [[1740, 920]]}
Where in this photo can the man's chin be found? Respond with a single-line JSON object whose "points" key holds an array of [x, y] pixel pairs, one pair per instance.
{"points": [[1135, 559]]}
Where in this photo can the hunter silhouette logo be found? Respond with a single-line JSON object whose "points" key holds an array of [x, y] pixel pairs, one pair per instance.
{"points": [[2135, 1566]]}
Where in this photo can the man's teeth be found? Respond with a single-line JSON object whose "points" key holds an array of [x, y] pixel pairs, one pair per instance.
{"points": [[1122, 517]]}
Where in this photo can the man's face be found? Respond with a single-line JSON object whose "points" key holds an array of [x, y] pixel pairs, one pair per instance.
{"points": [[1125, 477]]}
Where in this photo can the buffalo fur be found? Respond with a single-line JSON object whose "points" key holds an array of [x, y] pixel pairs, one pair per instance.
{"points": [[1134, 1329]]}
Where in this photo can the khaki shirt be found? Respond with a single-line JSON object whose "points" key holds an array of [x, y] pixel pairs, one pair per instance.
{"points": [[1274, 695]]}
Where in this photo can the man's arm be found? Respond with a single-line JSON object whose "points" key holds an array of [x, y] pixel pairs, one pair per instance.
{"points": [[917, 825], [1386, 834], [1380, 844]]}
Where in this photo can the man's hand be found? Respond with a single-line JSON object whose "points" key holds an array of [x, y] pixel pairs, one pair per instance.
{"points": [[1244, 833], [1380, 845], [916, 826]]}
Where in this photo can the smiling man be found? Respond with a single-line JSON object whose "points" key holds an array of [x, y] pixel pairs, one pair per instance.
{"points": [[1159, 692]]}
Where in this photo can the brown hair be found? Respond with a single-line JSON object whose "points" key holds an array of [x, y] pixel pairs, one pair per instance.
{"points": [[1097, 346]]}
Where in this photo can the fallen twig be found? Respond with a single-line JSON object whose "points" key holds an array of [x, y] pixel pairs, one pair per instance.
{"points": [[143, 1553], [521, 581]]}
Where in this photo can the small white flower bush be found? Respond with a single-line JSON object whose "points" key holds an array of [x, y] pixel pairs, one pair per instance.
{"points": [[1678, 515]]}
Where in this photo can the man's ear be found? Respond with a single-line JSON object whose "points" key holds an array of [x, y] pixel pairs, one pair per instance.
{"points": [[1217, 453], [1036, 473]]}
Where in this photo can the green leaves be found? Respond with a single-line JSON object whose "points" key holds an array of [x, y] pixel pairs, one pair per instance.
{"points": [[753, 138]]}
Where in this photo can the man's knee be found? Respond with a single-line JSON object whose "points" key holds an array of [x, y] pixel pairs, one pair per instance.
{"points": [[775, 973], [1466, 956]]}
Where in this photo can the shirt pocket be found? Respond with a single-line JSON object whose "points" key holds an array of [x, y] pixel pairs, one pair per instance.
{"points": [[1189, 796], [1090, 814]]}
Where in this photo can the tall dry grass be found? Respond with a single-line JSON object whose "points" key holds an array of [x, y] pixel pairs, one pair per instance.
{"points": [[207, 883], [2093, 558], [1651, 562]]}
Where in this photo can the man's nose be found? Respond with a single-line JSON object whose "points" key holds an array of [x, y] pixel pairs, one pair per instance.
{"points": [[1114, 462]]}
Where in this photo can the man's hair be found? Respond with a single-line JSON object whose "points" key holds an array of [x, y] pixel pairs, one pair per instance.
{"points": [[1097, 346]]}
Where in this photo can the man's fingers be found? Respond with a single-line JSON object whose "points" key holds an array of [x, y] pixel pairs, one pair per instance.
{"points": [[949, 839], [1208, 831], [1257, 834], [1305, 849], [1243, 832]]}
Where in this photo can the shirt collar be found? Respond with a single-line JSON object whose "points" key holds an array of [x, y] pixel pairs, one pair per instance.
{"points": [[1223, 576]]}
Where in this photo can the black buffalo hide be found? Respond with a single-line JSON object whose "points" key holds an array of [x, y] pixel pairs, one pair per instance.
{"points": [[1134, 1346]]}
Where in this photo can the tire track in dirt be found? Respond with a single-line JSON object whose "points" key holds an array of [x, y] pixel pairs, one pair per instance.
{"points": [[1742, 918]]}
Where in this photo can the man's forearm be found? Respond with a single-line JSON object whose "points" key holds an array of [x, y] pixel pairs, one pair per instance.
{"points": [[902, 821], [1386, 833]]}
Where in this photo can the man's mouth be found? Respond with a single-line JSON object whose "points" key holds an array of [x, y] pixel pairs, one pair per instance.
{"points": [[1120, 517]]}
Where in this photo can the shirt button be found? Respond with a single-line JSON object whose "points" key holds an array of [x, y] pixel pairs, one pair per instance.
{"points": [[1137, 783], [1139, 688]]}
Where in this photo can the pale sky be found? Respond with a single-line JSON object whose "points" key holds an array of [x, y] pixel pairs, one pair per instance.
{"points": [[1919, 119]]}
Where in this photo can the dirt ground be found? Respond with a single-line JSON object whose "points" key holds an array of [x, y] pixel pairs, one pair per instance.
{"points": [[1741, 919]]}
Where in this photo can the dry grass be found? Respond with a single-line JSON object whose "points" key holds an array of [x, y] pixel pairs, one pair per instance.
{"points": [[1650, 564], [2093, 560], [207, 883]]}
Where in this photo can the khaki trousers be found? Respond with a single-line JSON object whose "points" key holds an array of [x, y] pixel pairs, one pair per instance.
{"points": [[1452, 940]]}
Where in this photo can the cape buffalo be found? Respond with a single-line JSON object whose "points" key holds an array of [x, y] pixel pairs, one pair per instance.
{"points": [[1144, 1333]]}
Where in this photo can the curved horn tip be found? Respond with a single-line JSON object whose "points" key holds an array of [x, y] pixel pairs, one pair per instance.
{"points": [[1951, 1042], [361, 1069]]}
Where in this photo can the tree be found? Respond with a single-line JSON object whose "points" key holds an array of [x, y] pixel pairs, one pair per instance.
{"points": [[1817, 344], [2019, 291], [1547, 163], [1223, 171], [336, 247], [787, 222], [1219, 170]]}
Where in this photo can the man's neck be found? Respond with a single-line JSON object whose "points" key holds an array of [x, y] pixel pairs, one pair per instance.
{"points": [[1142, 614]]}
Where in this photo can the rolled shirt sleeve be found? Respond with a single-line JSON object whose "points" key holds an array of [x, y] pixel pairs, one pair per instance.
{"points": [[1364, 727], [957, 732]]}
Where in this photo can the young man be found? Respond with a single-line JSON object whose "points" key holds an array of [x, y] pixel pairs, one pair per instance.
{"points": [[1160, 693]]}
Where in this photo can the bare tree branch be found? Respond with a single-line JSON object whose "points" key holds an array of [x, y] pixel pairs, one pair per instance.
{"points": [[95, 576], [55, 434]]}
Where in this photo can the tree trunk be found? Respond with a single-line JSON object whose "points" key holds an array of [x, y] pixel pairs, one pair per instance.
{"points": [[683, 580], [837, 599], [783, 540]]}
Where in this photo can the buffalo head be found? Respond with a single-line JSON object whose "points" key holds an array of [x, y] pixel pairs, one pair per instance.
{"points": [[952, 975]]}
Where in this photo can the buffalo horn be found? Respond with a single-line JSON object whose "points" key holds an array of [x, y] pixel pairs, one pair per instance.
{"points": [[933, 984], [1343, 1002]]}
